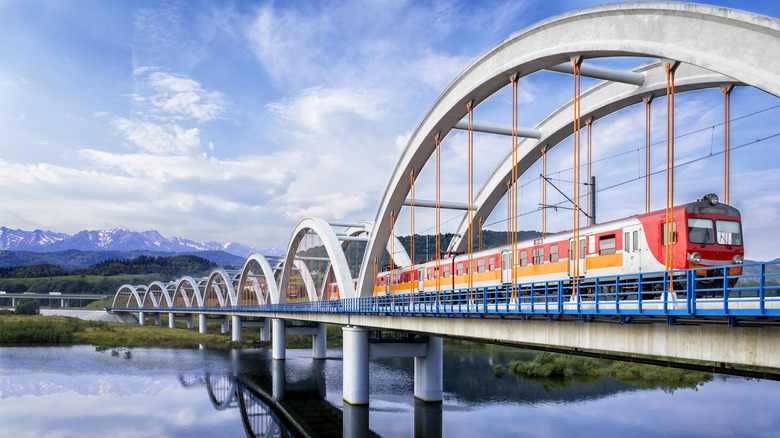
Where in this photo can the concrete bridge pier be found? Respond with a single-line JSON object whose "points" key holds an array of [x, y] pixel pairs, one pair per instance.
{"points": [[203, 320], [190, 321], [279, 345], [157, 319], [355, 368], [225, 324], [141, 318], [171, 320], [236, 328], [428, 378], [319, 342], [428, 361], [265, 334]]}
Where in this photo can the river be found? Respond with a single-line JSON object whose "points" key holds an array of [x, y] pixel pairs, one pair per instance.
{"points": [[77, 391]]}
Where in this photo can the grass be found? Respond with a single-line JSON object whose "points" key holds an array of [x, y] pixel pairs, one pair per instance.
{"points": [[561, 369], [48, 330]]}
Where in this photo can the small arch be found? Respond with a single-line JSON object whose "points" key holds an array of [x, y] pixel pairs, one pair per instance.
{"points": [[258, 283], [128, 296]]}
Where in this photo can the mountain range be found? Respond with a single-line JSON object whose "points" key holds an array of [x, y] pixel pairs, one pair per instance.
{"points": [[117, 239]]}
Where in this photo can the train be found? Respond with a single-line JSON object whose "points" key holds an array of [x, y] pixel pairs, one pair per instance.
{"points": [[706, 234]]}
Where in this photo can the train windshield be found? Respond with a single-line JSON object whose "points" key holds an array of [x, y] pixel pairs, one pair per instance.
{"points": [[701, 230], [729, 232]]}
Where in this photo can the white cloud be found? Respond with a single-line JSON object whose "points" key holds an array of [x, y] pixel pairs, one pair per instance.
{"points": [[178, 97], [314, 109], [162, 139]]}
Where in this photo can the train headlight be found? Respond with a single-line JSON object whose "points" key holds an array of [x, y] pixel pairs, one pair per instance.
{"points": [[696, 258], [711, 198], [738, 259]]}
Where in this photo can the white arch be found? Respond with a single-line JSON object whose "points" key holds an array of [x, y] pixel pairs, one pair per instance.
{"points": [[152, 293], [193, 284], [130, 291], [738, 44], [332, 246], [228, 298], [596, 102], [268, 273]]}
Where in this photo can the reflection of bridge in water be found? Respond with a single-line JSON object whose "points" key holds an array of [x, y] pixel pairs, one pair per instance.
{"points": [[272, 406]]}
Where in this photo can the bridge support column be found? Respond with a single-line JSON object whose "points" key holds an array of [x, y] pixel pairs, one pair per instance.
{"points": [[265, 333], [355, 368], [157, 319], [319, 342], [171, 320], [236, 328], [226, 324], [191, 321], [62, 302], [141, 318], [428, 379], [202, 322], [13, 302], [279, 344]]}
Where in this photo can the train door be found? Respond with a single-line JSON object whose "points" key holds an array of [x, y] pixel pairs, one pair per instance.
{"points": [[421, 279], [581, 260], [506, 267], [632, 250]]}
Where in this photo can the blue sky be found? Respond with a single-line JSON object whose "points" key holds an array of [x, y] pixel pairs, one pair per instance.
{"points": [[231, 121]]}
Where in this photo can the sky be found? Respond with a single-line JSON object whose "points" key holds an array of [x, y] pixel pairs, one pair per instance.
{"points": [[231, 121]]}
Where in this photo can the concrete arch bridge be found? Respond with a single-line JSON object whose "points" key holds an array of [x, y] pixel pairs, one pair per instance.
{"points": [[724, 319]]}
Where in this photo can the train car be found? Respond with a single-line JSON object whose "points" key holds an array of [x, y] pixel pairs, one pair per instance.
{"points": [[706, 234]]}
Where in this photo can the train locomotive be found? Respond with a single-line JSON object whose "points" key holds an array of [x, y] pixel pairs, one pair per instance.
{"points": [[706, 234]]}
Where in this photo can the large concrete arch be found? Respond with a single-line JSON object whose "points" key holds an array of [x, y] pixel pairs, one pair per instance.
{"points": [[336, 255], [596, 102], [249, 279], [737, 44]]}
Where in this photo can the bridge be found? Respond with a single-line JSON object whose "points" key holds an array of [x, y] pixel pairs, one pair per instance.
{"points": [[63, 298], [653, 302]]}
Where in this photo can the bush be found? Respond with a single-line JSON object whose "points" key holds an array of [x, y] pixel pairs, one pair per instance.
{"points": [[29, 308]]}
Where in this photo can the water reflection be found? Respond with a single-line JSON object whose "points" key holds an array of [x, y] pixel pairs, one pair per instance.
{"points": [[273, 405], [172, 393]]}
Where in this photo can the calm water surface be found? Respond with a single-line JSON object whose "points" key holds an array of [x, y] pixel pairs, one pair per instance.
{"points": [[77, 391]]}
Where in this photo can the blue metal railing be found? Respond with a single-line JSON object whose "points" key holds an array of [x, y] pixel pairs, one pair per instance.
{"points": [[716, 292]]}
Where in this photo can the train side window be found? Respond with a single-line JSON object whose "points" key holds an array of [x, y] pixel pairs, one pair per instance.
{"points": [[523, 258], [538, 254], [481, 265], [607, 244], [459, 269], [554, 253], [626, 242], [492, 264], [446, 271], [636, 240], [674, 233]]}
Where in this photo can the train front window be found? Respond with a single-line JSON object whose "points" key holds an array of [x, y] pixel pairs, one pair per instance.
{"points": [[700, 230], [729, 232]]}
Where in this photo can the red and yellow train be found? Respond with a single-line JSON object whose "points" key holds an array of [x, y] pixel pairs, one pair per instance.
{"points": [[706, 234]]}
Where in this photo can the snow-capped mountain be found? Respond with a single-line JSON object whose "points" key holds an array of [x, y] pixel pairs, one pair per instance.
{"points": [[117, 239]]}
